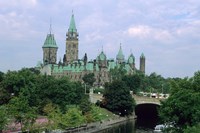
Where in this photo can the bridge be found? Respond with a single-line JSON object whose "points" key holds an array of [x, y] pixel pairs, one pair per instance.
{"points": [[146, 107], [138, 99]]}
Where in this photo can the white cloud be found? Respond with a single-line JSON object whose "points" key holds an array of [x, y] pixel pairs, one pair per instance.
{"points": [[143, 26], [147, 32], [93, 36], [139, 31], [94, 22], [18, 3]]}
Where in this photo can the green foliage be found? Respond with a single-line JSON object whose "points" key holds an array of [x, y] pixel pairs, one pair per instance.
{"points": [[61, 91], [117, 98], [196, 81], [193, 129], [117, 73], [89, 79], [182, 107], [14, 81], [85, 106], [73, 118], [22, 112], [155, 80], [133, 82], [3, 118], [54, 116], [97, 90], [1, 76]]}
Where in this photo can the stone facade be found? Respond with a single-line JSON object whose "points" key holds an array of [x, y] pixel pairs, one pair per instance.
{"points": [[49, 50], [76, 68], [71, 43]]}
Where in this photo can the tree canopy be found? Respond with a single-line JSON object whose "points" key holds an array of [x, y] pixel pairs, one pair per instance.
{"points": [[89, 79], [118, 99], [182, 107]]}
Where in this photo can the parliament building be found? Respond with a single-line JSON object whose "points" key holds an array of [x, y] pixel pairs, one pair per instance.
{"points": [[76, 68]]}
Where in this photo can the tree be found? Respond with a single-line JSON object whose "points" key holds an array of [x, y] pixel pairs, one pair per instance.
{"points": [[182, 107], [89, 79], [22, 112], [193, 129], [156, 81], [85, 106], [196, 81], [54, 116], [13, 81], [3, 118], [73, 118], [1, 76], [118, 99], [132, 81], [61, 92], [117, 73]]}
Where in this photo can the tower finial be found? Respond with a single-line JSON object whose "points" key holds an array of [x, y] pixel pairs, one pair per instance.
{"points": [[50, 29], [102, 48], [72, 11]]}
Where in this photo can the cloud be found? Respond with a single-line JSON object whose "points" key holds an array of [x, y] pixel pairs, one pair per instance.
{"points": [[139, 31], [166, 31], [93, 36], [94, 22], [147, 32], [189, 29], [18, 3]]}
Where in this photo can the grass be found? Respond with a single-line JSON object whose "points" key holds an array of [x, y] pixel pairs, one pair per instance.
{"points": [[104, 114]]}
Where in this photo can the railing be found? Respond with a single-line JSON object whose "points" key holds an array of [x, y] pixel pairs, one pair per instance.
{"points": [[138, 99], [143, 99]]}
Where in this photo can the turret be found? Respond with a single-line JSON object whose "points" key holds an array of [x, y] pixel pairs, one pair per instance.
{"points": [[120, 56], [102, 60], [71, 42], [142, 63], [131, 61], [85, 59], [50, 49]]}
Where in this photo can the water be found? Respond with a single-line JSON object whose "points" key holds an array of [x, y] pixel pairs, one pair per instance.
{"points": [[132, 126]]}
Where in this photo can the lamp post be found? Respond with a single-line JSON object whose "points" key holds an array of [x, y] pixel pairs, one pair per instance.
{"points": [[85, 88]]}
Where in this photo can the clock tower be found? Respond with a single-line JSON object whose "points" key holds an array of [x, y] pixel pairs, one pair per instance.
{"points": [[71, 53]]}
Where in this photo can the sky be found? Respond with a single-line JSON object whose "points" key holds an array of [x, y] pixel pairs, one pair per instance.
{"points": [[166, 31]]}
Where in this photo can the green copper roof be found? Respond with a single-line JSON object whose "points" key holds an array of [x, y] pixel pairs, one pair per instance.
{"points": [[102, 56], [120, 55], [142, 55], [131, 59], [72, 26], [50, 42]]}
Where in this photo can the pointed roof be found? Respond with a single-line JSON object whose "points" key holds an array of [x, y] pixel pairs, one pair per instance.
{"points": [[50, 42], [142, 55], [102, 56], [120, 55], [72, 26], [131, 59]]}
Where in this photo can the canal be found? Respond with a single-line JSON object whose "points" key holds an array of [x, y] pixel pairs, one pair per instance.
{"points": [[147, 119], [131, 126]]}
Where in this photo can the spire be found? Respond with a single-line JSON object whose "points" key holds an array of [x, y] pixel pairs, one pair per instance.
{"points": [[50, 42], [131, 58], [50, 29], [142, 55], [120, 55], [72, 26]]}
